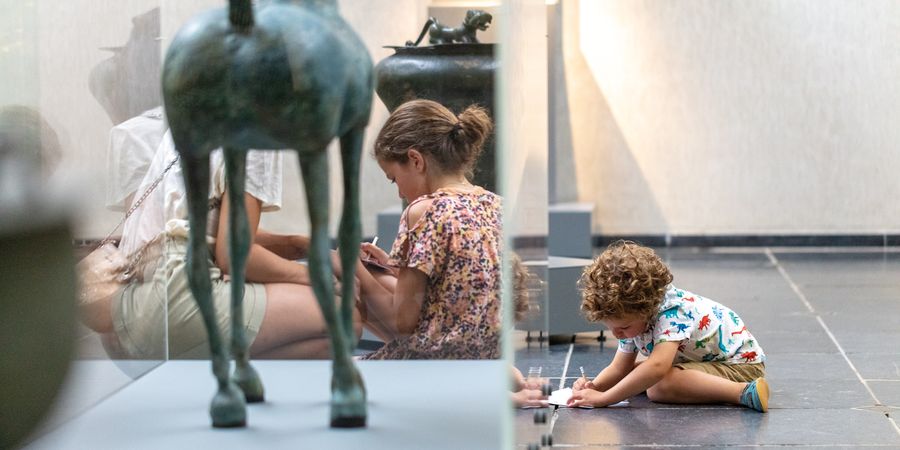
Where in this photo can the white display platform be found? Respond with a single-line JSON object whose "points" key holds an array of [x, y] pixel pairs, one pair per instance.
{"points": [[412, 404]]}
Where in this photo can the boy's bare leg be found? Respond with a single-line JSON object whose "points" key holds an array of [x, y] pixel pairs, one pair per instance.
{"points": [[694, 386]]}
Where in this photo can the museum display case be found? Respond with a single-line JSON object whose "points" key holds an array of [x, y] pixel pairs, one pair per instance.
{"points": [[88, 74]]}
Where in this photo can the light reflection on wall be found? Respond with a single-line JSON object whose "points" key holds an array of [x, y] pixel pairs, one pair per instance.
{"points": [[736, 118]]}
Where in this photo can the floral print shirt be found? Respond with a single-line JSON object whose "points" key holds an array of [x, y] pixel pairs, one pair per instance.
{"points": [[707, 331], [456, 244]]}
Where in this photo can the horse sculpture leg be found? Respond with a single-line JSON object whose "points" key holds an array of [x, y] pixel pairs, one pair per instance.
{"points": [[350, 231], [228, 408], [348, 404], [244, 375]]}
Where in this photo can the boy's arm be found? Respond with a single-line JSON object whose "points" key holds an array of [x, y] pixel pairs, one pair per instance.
{"points": [[621, 365], [638, 380]]}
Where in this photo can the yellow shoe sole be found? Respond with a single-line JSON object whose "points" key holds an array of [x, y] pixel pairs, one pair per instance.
{"points": [[762, 389]]}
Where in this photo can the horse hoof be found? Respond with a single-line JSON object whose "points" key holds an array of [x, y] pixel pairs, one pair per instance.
{"points": [[229, 424], [348, 414], [348, 422], [228, 409], [248, 380]]}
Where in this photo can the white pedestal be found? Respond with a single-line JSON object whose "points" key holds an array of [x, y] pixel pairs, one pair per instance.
{"points": [[570, 230], [559, 308]]}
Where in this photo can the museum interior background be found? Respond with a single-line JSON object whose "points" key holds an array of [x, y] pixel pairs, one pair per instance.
{"points": [[679, 124]]}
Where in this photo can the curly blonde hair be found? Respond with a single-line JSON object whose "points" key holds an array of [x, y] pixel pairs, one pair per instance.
{"points": [[626, 279], [520, 278]]}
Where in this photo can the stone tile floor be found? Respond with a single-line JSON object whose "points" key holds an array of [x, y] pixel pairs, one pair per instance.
{"points": [[829, 321]]}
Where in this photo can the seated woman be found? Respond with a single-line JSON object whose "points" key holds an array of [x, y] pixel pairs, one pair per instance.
{"points": [[443, 299], [281, 315]]}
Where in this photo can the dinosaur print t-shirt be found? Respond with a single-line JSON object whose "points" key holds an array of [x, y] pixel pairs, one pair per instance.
{"points": [[707, 330]]}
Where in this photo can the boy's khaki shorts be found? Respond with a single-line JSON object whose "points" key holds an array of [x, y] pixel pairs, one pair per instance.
{"points": [[734, 372]]}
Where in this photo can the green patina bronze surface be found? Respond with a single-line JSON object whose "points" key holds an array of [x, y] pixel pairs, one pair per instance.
{"points": [[283, 75], [475, 20]]}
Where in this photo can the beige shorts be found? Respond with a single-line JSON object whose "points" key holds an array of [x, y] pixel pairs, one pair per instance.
{"points": [[159, 319], [734, 372]]}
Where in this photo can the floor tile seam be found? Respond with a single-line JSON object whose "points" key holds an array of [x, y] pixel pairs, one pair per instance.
{"points": [[847, 359], [894, 423], [562, 382], [620, 445], [831, 335], [790, 282]]}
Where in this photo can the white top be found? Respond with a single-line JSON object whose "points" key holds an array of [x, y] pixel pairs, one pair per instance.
{"points": [[166, 211], [705, 329], [132, 145]]}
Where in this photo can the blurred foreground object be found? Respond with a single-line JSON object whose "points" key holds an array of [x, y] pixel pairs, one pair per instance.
{"points": [[37, 289]]}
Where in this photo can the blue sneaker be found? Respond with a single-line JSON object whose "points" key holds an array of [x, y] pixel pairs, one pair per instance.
{"points": [[756, 395]]}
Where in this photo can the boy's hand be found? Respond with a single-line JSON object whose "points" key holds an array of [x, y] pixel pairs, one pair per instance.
{"points": [[583, 383], [534, 383], [586, 397], [529, 398]]}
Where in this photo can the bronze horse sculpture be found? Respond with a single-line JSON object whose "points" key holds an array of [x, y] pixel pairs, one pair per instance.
{"points": [[287, 74]]}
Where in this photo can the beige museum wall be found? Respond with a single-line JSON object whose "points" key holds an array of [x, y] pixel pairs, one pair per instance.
{"points": [[18, 59], [715, 117], [69, 37], [523, 105], [69, 40]]}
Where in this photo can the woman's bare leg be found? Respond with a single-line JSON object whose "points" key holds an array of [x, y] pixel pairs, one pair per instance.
{"points": [[292, 319], [316, 348]]}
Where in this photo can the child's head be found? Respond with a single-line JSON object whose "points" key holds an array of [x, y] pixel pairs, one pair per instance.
{"points": [[424, 139], [624, 287], [520, 279]]}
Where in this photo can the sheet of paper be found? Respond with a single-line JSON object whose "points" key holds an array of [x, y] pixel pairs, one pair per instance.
{"points": [[561, 396]]}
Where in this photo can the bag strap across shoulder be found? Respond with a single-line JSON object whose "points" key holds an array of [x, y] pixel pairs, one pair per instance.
{"points": [[137, 203]]}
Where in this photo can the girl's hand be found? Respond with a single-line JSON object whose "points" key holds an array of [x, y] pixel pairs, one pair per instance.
{"points": [[374, 256], [586, 397], [369, 252]]}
